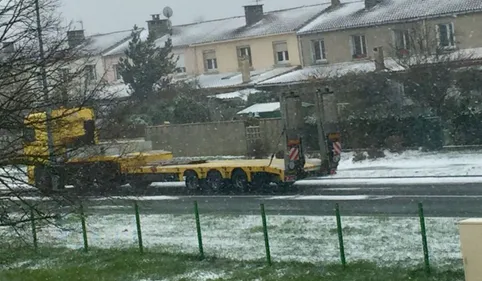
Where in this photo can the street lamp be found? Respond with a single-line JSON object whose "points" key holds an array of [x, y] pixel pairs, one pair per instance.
{"points": [[45, 90]]}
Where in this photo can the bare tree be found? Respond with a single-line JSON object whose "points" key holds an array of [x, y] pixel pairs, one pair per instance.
{"points": [[433, 65], [41, 72]]}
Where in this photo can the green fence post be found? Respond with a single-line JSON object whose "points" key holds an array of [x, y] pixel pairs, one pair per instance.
{"points": [[138, 223], [340, 235], [266, 238], [198, 228], [84, 228], [424, 238], [34, 229]]}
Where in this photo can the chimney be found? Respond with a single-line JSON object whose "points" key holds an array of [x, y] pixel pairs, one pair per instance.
{"points": [[371, 3], [253, 13], [158, 27], [335, 3], [379, 59], [245, 70], [8, 47], [75, 37]]}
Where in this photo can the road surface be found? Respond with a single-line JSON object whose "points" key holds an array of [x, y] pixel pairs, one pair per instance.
{"points": [[444, 200]]}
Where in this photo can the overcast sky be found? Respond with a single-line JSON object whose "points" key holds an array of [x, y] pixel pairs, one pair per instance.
{"points": [[100, 16]]}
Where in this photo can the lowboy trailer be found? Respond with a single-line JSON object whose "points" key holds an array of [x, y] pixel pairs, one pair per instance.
{"points": [[86, 166]]}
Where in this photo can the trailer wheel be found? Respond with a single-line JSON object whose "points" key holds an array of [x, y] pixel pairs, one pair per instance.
{"points": [[239, 180], [214, 180], [192, 180]]}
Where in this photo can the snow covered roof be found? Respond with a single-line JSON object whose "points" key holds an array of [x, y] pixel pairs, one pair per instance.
{"points": [[261, 107], [100, 43], [273, 22], [329, 71], [265, 107], [354, 14], [234, 79], [115, 91], [241, 94]]}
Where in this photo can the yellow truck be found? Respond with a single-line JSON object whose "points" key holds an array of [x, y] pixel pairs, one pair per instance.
{"points": [[82, 161]]}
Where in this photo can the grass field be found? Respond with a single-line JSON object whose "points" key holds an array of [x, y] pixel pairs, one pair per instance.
{"points": [[383, 240], [21, 264], [303, 248]]}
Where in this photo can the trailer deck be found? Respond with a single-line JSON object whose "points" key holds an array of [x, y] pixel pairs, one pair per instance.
{"points": [[225, 167]]}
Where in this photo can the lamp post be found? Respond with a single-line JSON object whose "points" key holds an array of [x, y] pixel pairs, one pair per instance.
{"points": [[45, 90]]}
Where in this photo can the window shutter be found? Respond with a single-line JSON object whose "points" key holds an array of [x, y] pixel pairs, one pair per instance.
{"points": [[352, 46], [437, 32], [180, 61], [209, 55], [452, 30], [280, 47]]}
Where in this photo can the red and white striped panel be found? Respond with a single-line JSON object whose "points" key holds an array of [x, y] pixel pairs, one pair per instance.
{"points": [[337, 148], [294, 154]]}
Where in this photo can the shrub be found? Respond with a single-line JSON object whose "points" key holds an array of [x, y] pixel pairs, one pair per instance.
{"points": [[394, 143], [374, 153]]}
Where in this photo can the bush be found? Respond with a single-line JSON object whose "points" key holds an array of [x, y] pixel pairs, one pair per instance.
{"points": [[359, 156], [394, 144], [374, 153]]}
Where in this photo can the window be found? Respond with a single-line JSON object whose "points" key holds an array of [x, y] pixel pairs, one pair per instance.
{"points": [[402, 39], [210, 61], [318, 50], [181, 65], [281, 52], [180, 70], [446, 35], [90, 72], [117, 73], [29, 135], [359, 46], [244, 52]]}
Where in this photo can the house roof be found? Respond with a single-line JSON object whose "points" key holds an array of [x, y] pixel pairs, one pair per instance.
{"points": [[261, 107], [223, 81], [241, 94], [272, 23], [266, 107], [234, 79], [354, 14], [101, 43], [328, 71]]}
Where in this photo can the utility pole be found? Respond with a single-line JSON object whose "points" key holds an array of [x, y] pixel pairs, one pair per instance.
{"points": [[48, 111]]}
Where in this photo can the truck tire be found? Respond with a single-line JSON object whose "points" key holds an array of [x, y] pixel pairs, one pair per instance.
{"points": [[239, 181], [214, 181], [192, 181]]}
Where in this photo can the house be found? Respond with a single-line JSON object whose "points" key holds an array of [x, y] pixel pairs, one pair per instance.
{"points": [[267, 39], [347, 36], [350, 31], [94, 47], [209, 52]]}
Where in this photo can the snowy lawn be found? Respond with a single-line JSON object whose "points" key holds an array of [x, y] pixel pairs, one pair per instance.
{"points": [[413, 163], [155, 265], [382, 240]]}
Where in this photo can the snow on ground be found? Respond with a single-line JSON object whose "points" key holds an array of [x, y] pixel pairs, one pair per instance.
{"points": [[297, 238], [413, 163]]}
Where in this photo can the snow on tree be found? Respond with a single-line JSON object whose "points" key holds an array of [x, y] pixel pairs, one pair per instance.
{"points": [[147, 67]]}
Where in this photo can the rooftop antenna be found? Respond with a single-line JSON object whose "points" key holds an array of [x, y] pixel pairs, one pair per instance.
{"points": [[167, 12]]}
